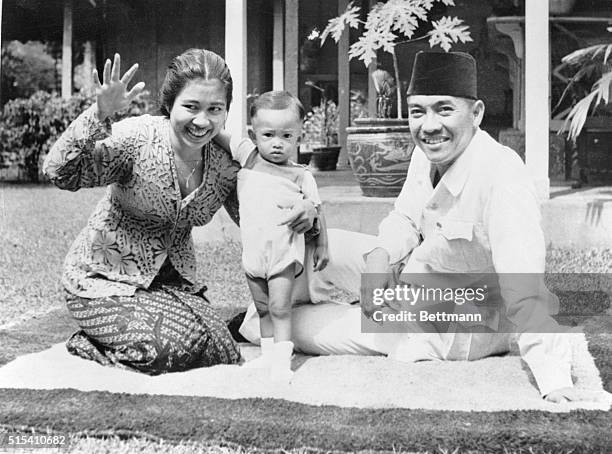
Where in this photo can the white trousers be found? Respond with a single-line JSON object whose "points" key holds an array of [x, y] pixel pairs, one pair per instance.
{"points": [[323, 327]]}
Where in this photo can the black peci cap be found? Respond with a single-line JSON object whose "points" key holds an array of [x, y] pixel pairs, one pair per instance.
{"points": [[444, 73]]}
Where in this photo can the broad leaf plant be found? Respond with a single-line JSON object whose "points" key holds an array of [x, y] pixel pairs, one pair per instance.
{"points": [[394, 22]]}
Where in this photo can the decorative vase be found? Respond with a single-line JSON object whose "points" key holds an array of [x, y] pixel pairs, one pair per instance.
{"points": [[303, 157], [325, 158], [560, 7], [379, 150]]}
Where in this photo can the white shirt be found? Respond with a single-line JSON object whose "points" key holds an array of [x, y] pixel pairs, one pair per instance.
{"points": [[483, 216]]}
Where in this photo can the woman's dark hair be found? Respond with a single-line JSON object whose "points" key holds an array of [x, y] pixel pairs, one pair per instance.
{"points": [[193, 64], [277, 100]]}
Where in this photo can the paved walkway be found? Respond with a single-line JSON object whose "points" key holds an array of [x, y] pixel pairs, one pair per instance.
{"points": [[573, 218]]}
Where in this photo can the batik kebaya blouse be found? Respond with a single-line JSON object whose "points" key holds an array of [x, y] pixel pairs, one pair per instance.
{"points": [[142, 220]]}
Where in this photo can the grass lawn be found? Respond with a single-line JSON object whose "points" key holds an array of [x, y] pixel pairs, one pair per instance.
{"points": [[37, 226]]}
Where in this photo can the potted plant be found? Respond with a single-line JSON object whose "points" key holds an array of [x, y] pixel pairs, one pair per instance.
{"points": [[321, 133], [589, 120], [379, 149]]}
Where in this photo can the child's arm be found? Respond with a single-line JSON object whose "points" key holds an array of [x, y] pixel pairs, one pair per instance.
{"points": [[311, 193], [321, 253], [240, 149], [223, 139]]}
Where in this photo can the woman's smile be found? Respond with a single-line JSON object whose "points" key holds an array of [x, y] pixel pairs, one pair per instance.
{"points": [[197, 133]]}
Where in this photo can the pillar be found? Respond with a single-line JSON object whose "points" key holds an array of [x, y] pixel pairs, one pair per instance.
{"points": [[537, 90], [89, 63], [344, 89], [67, 51], [236, 58], [371, 87], [291, 46], [0, 48], [278, 46]]}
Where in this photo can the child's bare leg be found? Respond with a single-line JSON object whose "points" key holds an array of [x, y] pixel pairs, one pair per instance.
{"points": [[280, 288], [259, 292]]}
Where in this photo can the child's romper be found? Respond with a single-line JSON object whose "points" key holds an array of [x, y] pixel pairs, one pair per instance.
{"points": [[269, 248]]}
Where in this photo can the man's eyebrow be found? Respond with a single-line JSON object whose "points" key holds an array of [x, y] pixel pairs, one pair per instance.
{"points": [[444, 102]]}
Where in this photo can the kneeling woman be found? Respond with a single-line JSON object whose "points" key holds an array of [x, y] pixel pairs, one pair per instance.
{"points": [[130, 276]]}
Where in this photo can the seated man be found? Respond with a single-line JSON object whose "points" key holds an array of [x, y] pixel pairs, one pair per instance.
{"points": [[468, 206]]}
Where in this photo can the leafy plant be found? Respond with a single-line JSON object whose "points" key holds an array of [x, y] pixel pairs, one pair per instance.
{"points": [[314, 130], [26, 69], [384, 84], [387, 23], [321, 125], [589, 63], [30, 126], [358, 106]]}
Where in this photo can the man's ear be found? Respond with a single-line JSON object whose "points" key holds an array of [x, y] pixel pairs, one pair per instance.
{"points": [[251, 134], [478, 110]]}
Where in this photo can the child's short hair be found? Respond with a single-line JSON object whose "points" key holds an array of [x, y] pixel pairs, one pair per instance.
{"points": [[277, 100]]}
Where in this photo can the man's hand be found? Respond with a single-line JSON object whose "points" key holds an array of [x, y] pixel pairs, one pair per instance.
{"points": [[378, 276], [301, 217], [572, 394], [320, 257]]}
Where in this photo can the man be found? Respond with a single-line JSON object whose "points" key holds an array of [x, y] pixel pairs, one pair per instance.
{"points": [[468, 206], [474, 204]]}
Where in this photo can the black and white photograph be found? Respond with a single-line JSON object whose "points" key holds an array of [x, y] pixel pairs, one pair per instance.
{"points": [[306, 226]]}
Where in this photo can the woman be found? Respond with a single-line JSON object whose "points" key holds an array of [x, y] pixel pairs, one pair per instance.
{"points": [[130, 274]]}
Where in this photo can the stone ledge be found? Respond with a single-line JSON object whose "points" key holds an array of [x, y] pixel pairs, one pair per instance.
{"points": [[579, 219]]}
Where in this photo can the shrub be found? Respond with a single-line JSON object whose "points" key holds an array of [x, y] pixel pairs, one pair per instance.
{"points": [[26, 69], [30, 126]]}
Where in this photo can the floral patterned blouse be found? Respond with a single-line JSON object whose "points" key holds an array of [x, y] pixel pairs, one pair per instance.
{"points": [[142, 221]]}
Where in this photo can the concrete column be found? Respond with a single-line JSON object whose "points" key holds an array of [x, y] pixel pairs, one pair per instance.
{"points": [[278, 46], [516, 60], [89, 63], [236, 58], [371, 87], [292, 46], [0, 47], [537, 89], [344, 89], [67, 51]]}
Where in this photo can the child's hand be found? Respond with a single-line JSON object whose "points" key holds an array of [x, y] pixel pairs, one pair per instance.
{"points": [[320, 258]]}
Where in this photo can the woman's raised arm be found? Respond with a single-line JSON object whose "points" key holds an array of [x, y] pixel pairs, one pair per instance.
{"points": [[86, 154]]}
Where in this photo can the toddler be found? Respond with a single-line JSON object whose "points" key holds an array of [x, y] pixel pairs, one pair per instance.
{"points": [[269, 184]]}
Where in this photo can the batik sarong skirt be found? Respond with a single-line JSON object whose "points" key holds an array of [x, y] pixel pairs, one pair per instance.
{"points": [[155, 331]]}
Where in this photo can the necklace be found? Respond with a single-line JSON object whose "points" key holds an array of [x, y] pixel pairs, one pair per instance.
{"points": [[188, 164]]}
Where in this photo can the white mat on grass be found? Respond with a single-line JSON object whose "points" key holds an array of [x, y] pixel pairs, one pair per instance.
{"points": [[491, 384]]}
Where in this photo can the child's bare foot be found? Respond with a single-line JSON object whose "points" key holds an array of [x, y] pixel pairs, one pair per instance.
{"points": [[264, 360], [280, 370]]}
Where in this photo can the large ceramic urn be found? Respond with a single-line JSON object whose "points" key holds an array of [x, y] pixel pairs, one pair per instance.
{"points": [[379, 150]]}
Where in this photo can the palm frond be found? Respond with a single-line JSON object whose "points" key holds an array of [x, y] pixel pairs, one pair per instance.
{"points": [[600, 93], [580, 56]]}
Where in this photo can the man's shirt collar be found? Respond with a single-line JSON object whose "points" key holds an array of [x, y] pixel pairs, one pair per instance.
{"points": [[455, 177]]}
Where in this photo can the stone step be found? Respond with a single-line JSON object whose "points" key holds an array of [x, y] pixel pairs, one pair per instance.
{"points": [[571, 218]]}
